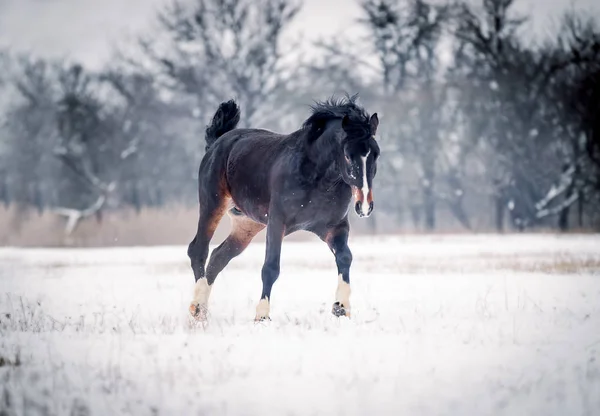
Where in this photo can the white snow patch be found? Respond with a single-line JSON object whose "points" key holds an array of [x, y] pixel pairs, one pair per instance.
{"points": [[440, 325]]}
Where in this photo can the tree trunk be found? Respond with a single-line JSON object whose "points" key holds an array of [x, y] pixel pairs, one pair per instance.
{"points": [[415, 208], [38, 199], [580, 211], [4, 192], [415, 215], [135, 198], [500, 206], [429, 207], [563, 220], [563, 216]]}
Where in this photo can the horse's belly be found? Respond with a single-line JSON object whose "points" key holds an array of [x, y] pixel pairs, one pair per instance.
{"points": [[250, 194], [252, 200], [256, 211]]}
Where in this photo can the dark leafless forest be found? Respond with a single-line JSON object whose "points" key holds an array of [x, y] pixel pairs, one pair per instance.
{"points": [[482, 128]]}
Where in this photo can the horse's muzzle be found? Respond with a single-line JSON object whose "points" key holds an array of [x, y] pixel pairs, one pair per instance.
{"points": [[364, 202], [358, 207]]}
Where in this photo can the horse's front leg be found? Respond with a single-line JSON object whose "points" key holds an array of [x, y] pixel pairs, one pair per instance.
{"points": [[337, 240], [270, 270]]}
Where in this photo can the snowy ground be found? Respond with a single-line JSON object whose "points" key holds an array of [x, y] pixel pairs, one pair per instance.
{"points": [[441, 325]]}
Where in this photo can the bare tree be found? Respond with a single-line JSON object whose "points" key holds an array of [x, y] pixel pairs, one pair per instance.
{"points": [[162, 140], [214, 49], [576, 98], [504, 90], [121, 150], [81, 142], [4, 195], [405, 38], [29, 165], [405, 77]]}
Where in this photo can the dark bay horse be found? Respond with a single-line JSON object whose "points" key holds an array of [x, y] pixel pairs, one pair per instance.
{"points": [[301, 181]]}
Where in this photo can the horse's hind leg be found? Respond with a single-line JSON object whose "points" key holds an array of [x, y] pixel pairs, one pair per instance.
{"points": [[243, 230], [212, 209]]}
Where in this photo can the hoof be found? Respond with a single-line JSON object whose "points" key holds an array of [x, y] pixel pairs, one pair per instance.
{"points": [[261, 319], [339, 310], [262, 311], [198, 312]]}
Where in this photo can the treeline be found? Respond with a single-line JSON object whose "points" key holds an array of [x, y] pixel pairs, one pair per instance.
{"points": [[482, 126]]}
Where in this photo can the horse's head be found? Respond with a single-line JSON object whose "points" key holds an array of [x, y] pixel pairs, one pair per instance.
{"points": [[351, 149], [359, 161]]}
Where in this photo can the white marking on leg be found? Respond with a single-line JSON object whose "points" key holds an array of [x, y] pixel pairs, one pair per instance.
{"points": [[201, 292], [342, 294], [262, 309], [199, 305], [365, 185]]}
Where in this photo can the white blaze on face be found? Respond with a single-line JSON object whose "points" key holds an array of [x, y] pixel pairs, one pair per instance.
{"points": [[365, 185]]}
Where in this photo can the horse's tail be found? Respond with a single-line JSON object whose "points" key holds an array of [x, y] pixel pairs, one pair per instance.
{"points": [[225, 119]]}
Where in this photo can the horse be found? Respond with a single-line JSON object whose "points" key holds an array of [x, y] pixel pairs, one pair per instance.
{"points": [[300, 181]]}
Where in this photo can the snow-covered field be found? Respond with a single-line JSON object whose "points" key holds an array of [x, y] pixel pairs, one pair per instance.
{"points": [[470, 325]]}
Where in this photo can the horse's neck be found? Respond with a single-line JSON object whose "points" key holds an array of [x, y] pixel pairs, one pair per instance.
{"points": [[324, 150], [329, 177]]}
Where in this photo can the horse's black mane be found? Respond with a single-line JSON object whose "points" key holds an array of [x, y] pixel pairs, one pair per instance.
{"points": [[358, 126]]}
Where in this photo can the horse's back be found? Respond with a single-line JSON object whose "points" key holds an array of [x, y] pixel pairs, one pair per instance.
{"points": [[239, 144], [251, 159], [257, 136], [250, 147]]}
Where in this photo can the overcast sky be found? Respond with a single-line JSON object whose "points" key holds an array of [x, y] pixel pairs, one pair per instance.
{"points": [[84, 30]]}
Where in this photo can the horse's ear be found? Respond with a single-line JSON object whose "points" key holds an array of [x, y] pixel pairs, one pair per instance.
{"points": [[374, 122]]}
